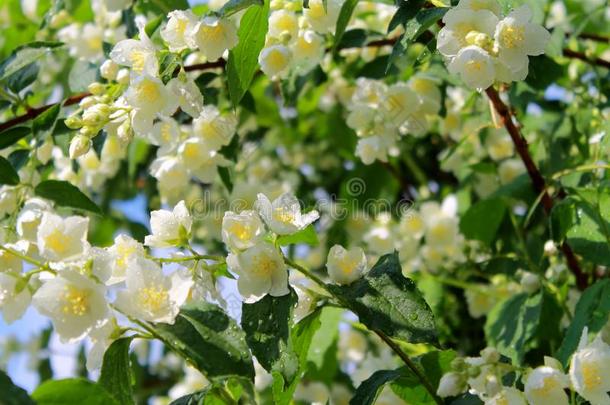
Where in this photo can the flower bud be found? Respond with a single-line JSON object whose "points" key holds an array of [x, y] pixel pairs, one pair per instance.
{"points": [[73, 122], [123, 76], [124, 131], [451, 385], [79, 145], [87, 102], [109, 70], [96, 88], [530, 282], [59, 19], [458, 364], [490, 355], [44, 151]]}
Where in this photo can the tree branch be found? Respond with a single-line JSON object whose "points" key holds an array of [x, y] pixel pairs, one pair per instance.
{"points": [[538, 180]]}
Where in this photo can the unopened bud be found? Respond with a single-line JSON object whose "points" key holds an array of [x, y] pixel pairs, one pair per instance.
{"points": [[73, 122], [59, 19], [550, 249], [124, 131], [109, 70], [458, 364], [87, 102], [451, 385], [79, 146], [123, 76], [530, 282], [490, 355], [96, 88]]}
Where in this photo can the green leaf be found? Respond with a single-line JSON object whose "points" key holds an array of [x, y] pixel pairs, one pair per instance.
{"points": [[24, 55], [10, 136], [387, 301], [157, 7], [543, 71], [8, 175], [66, 195], [592, 312], [210, 340], [482, 220], [589, 233], [116, 375], [267, 326], [322, 360], [23, 77], [234, 6], [45, 122], [306, 235], [152, 25], [345, 15], [423, 20], [225, 176], [12, 394], [433, 365], [243, 59], [369, 389], [301, 337], [72, 391], [82, 74], [512, 324], [240, 390]]}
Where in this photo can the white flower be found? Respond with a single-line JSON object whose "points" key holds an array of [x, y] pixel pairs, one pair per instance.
{"points": [[169, 228], [29, 218], [400, 103], [10, 263], [117, 5], [323, 19], [15, 297], [307, 50], [475, 66], [8, 200], [283, 215], [165, 134], [374, 148], [451, 385], [150, 295], [261, 271], [345, 266], [516, 38], [62, 238], [179, 24], [100, 338], [464, 27], [498, 144], [214, 128], [149, 96], [508, 396], [590, 371], [242, 231], [138, 54], [275, 60], [201, 160], [172, 177], [510, 169], [545, 386], [75, 304], [79, 145], [475, 5], [441, 230], [109, 70], [124, 249], [213, 36], [283, 22], [188, 95]]}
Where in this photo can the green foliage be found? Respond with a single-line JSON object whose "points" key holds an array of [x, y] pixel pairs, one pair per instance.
{"points": [[65, 194], [387, 301], [234, 6], [24, 56], [513, 324], [12, 394], [243, 59], [10, 136], [72, 391], [8, 175], [591, 312], [345, 15], [267, 326], [116, 376], [209, 340], [483, 219], [306, 236]]}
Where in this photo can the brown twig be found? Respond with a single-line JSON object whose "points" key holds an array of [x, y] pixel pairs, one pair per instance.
{"points": [[581, 56], [538, 180]]}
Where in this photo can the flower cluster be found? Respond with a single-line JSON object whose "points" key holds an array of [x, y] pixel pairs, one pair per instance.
{"points": [[482, 47], [254, 257], [380, 114], [543, 385]]}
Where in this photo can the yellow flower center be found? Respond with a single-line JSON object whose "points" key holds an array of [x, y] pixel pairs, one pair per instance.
{"points": [[123, 252], [241, 231], [75, 301], [152, 298], [347, 265], [166, 132], [138, 59], [283, 215], [591, 376], [512, 37], [148, 91], [548, 384], [191, 151], [474, 65], [181, 25], [264, 265], [277, 60], [58, 242]]}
